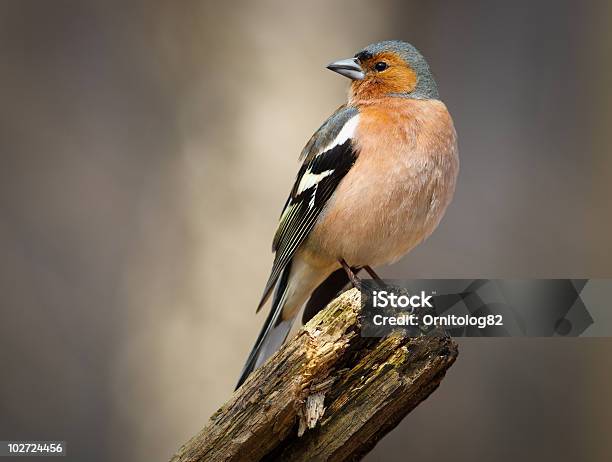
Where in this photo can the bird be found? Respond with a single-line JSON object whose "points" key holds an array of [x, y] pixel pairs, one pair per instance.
{"points": [[375, 181]]}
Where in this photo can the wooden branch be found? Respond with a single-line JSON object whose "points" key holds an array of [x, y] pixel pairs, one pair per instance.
{"points": [[328, 394]]}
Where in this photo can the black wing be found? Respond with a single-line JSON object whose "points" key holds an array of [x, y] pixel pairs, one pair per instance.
{"points": [[328, 157]]}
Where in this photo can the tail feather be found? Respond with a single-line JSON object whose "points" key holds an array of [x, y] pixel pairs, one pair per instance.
{"points": [[273, 333]]}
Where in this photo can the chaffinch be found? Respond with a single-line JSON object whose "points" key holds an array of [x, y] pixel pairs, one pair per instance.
{"points": [[375, 181]]}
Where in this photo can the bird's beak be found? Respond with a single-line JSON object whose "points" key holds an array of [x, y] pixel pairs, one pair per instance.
{"points": [[348, 67]]}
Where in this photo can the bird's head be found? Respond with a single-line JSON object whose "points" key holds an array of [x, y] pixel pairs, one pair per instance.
{"points": [[390, 68]]}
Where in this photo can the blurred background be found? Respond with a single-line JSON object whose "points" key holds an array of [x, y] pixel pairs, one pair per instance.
{"points": [[147, 149]]}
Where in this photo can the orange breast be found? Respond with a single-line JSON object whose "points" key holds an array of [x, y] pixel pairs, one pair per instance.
{"points": [[398, 189]]}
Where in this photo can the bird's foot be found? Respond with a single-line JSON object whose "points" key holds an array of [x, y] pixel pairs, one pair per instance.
{"points": [[351, 275]]}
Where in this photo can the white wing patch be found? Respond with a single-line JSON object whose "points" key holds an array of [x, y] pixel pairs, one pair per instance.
{"points": [[311, 179], [311, 203], [346, 133]]}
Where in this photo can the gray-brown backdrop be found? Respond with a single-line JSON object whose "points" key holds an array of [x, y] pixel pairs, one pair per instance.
{"points": [[146, 150]]}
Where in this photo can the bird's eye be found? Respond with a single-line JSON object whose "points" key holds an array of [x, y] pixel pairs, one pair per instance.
{"points": [[380, 66]]}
